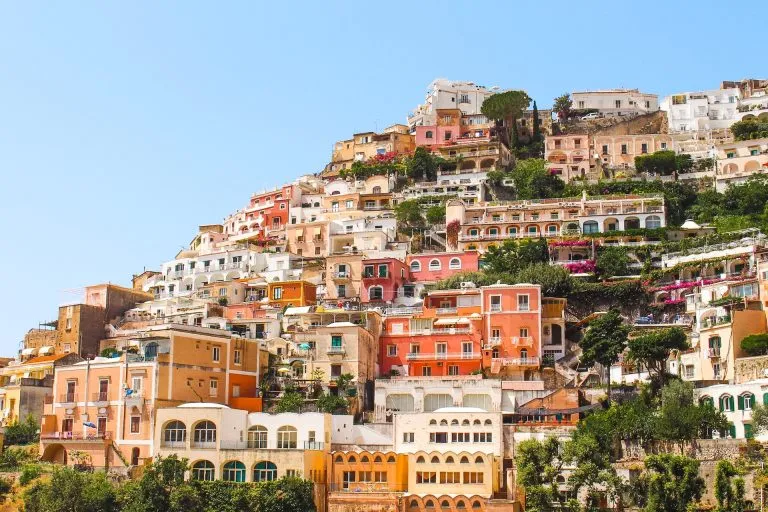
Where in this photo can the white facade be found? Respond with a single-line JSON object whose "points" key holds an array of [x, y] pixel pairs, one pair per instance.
{"points": [[735, 401], [468, 185], [701, 111], [442, 93], [456, 429], [616, 102]]}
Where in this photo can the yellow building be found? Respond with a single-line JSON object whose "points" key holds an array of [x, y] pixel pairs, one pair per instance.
{"points": [[366, 145]]}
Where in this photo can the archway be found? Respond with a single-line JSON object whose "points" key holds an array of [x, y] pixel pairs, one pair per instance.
{"points": [[55, 453]]}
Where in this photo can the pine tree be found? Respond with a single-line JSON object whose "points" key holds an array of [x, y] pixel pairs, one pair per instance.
{"points": [[536, 123]]}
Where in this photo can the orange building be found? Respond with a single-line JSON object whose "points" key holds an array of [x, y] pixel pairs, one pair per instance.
{"points": [[563, 407], [104, 407], [292, 294], [366, 481]]}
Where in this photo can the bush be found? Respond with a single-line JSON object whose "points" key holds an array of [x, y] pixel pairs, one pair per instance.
{"points": [[332, 404], [22, 433], [6, 485], [29, 473], [755, 344], [12, 458], [110, 352], [291, 401]]}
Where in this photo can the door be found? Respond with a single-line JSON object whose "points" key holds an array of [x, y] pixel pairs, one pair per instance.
{"points": [[557, 334], [101, 426]]}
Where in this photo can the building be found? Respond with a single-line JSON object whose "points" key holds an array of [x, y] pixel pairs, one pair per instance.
{"points": [[344, 277], [24, 386], [702, 111], [487, 224], [466, 184], [433, 267], [737, 161], [619, 151], [291, 294], [616, 102], [366, 145], [467, 97], [383, 280], [265, 217], [370, 481], [736, 401], [106, 407], [568, 156]]}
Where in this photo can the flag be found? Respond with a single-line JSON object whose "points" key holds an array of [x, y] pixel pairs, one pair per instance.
{"points": [[89, 424]]}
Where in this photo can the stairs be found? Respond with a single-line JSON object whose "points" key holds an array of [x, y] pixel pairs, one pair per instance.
{"points": [[436, 237], [119, 454]]}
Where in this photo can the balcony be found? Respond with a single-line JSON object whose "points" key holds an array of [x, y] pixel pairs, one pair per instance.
{"points": [[442, 356], [204, 445], [713, 353], [446, 311], [101, 396], [336, 350], [519, 341], [77, 436], [175, 445], [518, 361], [68, 398], [341, 276], [453, 330], [494, 341], [135, 399]]}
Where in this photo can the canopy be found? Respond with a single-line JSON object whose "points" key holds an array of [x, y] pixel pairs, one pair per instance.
{"points": [[46, 350], [28, 351], [451, 321]]}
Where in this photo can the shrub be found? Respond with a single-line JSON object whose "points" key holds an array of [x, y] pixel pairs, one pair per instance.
{"points": [[29, 473]]}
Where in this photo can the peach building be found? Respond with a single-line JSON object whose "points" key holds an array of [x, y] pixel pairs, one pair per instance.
{"points": [[370, 481], [431, 267], [737, 161], [106, 406], [309, 239], [366, 145], [567, 156], [291, 294], [344, 277], [619, 151]]}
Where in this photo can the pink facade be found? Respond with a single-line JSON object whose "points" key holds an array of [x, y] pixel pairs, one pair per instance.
{"points": [[437, 135], [382, 279], [436, 266]]}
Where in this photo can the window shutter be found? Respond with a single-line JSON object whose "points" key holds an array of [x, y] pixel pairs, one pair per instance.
{"points": [[730, 402], [751, 401], [732, 430], [722, 403], [741, 402], [765, 398]]}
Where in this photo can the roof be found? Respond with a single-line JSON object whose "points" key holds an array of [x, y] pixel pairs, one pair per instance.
{"points": [[202, 405], [45, 359], [297, 310], [342, 324]]}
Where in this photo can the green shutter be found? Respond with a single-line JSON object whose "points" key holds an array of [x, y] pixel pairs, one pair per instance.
{"points": [[741, 402], [765, 398], [748, 431], [751, 401], [730, 402], [722, 403], [732, 430]]}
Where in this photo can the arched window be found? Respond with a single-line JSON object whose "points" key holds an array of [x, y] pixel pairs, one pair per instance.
{"points": [[257, 437], [434, 264], [415, 266], [445, 504], [420, 459], [464, 460], [481, 401], [552, 229], [234, 471], [746, 401], [493, 231], [377, 190], [512, 231], [429, 504], [203, 470], [414, 504], [591, 226], [377, 459], [479, 460], [400, 402], [352, 459], [476, 504], [205, 435], [454, 264], [264, 471], [435, 459], [706, 401], [465, 423], [460, 505], [428, 134], [365, 459], [726, 403], [433, 402], [339, 459], [455, 423], [488, 422], [175, 434], [653, 222], [449, 460], [286, 437], [433, 422], [476, 422], [391, 459], [533, 229], [443, 423]]}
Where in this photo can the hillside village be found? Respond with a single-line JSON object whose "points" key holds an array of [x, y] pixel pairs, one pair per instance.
{"points": [[490, 306]]}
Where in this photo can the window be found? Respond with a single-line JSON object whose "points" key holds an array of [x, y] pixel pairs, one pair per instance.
{"points": [[101, 425], [376, 293], [426, 477], [623, 149], [286, 437], [428, 134], [590, 226], [653, 222], [523, 303], [448, 135], [216, 354], [483, 437], [453, 369], [66, 424], [175, 434], [495, 303], [341, 291], [350, 204], [264, 471], [336, 340], [203, 470], [460, 437], [726, 403], [135, 424], [136, 384], [605, 149], [663, 145], [426, 371], [257, 437], [618, 103], [523, 332], [746, 401], [214, 387], [392, 350], [454, 264], [368, 271], [238, 357], [408, 437], [434, 265], [415, 266], [234, 471], [473, 477], [383, 271], [644, 148], [432, 402]]}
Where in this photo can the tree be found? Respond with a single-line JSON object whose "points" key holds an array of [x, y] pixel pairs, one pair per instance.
{"points": [[662, 163], [534, 181], [22, 433], [332, 404], [612, 261], [506, 106], [408, 213], [512, 255], [748, 198], [755, 344], [69, 490], [604, 341], [422, 165], [652, 350], [536, 124], [759, 418], [681, 420], [749, 130], [538, 466], [562, 106], [729, 488], [291, 401], [671, 483], [436, 214], [555, 281]]}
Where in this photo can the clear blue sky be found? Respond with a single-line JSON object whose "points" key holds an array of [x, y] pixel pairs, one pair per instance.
{"points": [[124, 125]]}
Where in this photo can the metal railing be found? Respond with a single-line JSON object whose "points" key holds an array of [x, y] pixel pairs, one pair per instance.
{"points": [[337, 350], [78, 436], [518, 361], [458, 330], [446, 311], [101, 396], [68, 398], [421, 356]]}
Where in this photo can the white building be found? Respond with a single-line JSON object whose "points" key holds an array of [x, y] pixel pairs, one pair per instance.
{"points": [[458, 429], [468, 185], [442, 93], [701, 111], [616, 102], [735, 401]]}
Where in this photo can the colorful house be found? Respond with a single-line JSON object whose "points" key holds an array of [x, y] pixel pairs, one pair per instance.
{"points": [[383, 279], [292, 294]]}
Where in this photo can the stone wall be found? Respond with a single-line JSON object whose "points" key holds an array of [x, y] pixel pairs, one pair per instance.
{"points": [[701, 449], [750, 368]]}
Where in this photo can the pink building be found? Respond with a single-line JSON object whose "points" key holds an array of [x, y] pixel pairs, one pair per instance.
{"points": [[430, 267], [383, 278]]}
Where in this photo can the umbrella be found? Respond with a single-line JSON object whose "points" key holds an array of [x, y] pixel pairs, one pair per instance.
{"points": [[304, 346], [89, 424]]}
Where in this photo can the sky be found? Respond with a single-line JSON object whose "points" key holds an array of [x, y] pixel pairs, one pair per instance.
{"points": [[125, 125]]}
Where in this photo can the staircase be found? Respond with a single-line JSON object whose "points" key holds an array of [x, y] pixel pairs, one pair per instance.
{"points": [[436, 237], [119, 454]]}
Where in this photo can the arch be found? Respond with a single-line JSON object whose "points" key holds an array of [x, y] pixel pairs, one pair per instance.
{"points": [[414, 504], [233, 275], [652, 222], [55, 453], [264, 471], [364, 459], [352, 459], [454, 422], [338, 459], [429, 504], [217, 278], [174, 434], [552, 229], [746, 401], [257, 436], [464, 460], [400, 402], [135, 453], [233, 471], [391, 459], [433, 422], [590, 226], [479, 460], [726, 403], [376, 293], [707, 401], [443, 423], [476, 422], [203, 470], [445, 504], [420, 459], [730, 168], [488, 422], [435, 401], [481, 401], [449, 460], [435, 460], [461, 505], [454, 264], [611, 224], [476, 504], [287, 437], [486, 163], [204, 434], [751, 166], [377, 459], [631, 223], [465, 423], [434, 264], [415, 266], [468, 165]]}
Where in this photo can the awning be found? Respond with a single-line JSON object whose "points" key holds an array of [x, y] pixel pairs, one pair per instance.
{"points": [[46, 350], [451, 321], [28, 351]]}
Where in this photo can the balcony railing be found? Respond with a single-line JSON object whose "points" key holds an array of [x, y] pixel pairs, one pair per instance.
{"points": [[518, 361], [68, 398], [101, 396], [714, 353], [205, 445], [457, 330], [341, 275], [177, 445], [78, 436], [420, 356], [446, 311], [337, 350]]}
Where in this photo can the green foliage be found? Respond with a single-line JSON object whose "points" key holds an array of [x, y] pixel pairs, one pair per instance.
{"points": [[109, 352], [505, 105], [12, 458], [512, 255], [380, 165], [661, 163], [70, 490], [612, 261], [671, 483], [291, 401], [223, 301], [562, 106], [729, 488], [605, 339], [436, 214], [536, 137], [680, 419], [6, 486], [759, 418], [534, 181], [409, 214], [28, 473], [555, 281], [749, 130], [422, 165], [651, 350], [495, 177], [755, 344], [332, 404], [538, 466], [22, 433]]}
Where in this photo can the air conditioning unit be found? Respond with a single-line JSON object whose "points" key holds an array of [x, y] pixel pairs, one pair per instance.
{"points": [[467, 284]]}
